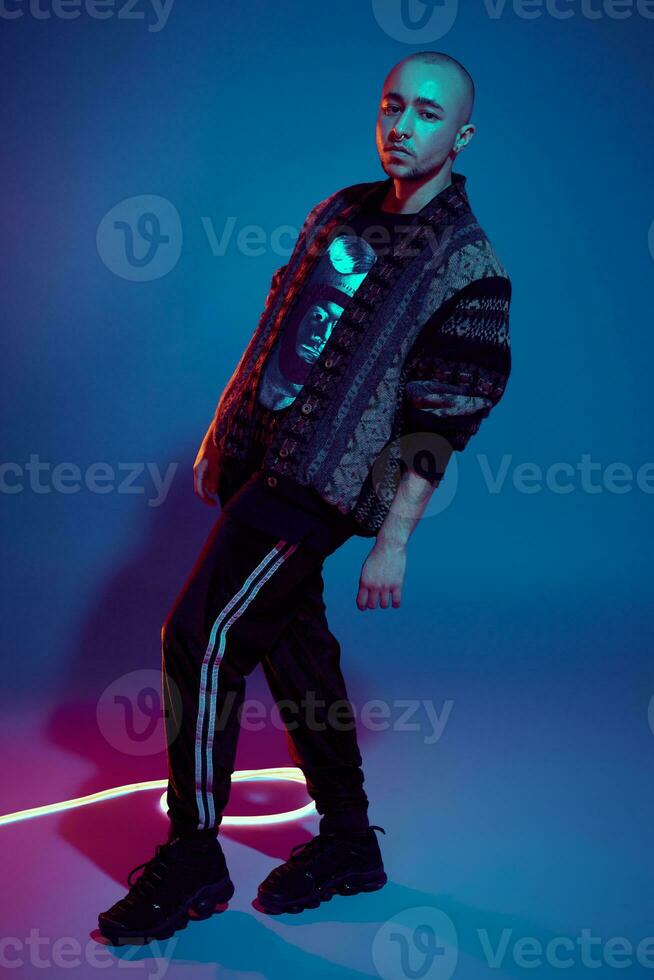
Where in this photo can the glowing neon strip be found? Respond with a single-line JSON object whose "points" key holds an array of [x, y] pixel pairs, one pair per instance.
{"points": [[281, 773]]}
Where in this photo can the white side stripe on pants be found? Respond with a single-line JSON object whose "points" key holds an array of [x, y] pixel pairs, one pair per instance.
{"points": [[207, 816]]}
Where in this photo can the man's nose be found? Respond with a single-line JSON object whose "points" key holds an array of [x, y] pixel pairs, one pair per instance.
{"points": [[402, 127]]}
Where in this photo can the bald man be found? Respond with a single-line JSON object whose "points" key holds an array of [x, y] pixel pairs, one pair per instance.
{"points": [[422, 125], [360, 344]]}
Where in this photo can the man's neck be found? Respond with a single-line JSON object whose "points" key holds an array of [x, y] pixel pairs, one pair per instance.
{"points": [[410, 196]]}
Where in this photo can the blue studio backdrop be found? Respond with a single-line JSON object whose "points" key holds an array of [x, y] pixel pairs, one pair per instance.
{"points": [[525, 619]]}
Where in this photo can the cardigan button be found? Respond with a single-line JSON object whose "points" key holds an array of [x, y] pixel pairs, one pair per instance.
{"points": [[329, 363], [283, 452], [271, 481], [306, 408]]}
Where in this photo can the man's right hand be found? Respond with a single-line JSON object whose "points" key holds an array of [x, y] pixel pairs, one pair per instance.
{"points": [[205, 470]]}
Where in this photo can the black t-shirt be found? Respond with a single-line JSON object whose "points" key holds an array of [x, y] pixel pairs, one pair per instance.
{"points": [[299, 513]]}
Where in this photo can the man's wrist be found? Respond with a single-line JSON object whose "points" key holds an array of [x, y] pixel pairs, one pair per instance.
{"points": [[391, 541]]}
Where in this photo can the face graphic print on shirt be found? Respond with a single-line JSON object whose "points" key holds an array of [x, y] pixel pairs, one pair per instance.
{"points": [[336, 276]]}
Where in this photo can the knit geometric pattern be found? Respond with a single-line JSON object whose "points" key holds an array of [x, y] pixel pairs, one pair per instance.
{"points": [[459, 370], [455, 373], [385, 357]]}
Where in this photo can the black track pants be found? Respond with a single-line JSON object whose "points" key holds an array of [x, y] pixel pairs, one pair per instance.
{"points": [[252, 597]]}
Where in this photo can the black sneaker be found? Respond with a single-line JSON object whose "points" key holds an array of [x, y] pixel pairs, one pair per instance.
{"points": [[181, 881], [342, 863]]}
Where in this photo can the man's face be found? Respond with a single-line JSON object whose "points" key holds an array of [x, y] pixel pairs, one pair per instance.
{"points": [[315, 329], [421, 110]]}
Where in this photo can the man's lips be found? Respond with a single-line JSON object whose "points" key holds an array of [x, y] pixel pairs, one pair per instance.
{"points": [[397, 149]]}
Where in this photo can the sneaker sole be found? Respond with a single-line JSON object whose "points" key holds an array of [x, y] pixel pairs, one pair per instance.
{"points": [[351, 884], [202, 905]]}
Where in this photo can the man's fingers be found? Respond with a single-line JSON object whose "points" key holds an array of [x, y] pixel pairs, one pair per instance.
{"points": [[367, 598]]}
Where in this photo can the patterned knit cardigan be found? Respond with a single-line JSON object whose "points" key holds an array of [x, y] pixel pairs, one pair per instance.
{"points": [[376, 377]]}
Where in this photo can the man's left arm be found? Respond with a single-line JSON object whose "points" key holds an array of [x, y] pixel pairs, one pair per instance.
{"points": [[455, 374], [382, 574]]}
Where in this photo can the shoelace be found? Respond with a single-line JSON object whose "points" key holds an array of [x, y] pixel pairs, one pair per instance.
{"points": [[306, 850], [151, 872]]}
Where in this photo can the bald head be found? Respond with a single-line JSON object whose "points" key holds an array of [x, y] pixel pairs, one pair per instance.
{"points": [[458, 79], [423, 121]]}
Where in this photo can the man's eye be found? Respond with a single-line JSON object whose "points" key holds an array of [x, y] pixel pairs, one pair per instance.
{"points": [[431, 115], [389, 108]]}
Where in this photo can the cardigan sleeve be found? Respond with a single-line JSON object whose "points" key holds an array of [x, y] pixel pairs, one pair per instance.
{"points": [[459, 365]]}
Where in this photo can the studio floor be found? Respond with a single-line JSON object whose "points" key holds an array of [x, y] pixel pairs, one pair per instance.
{"points": [[505, 856]]}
